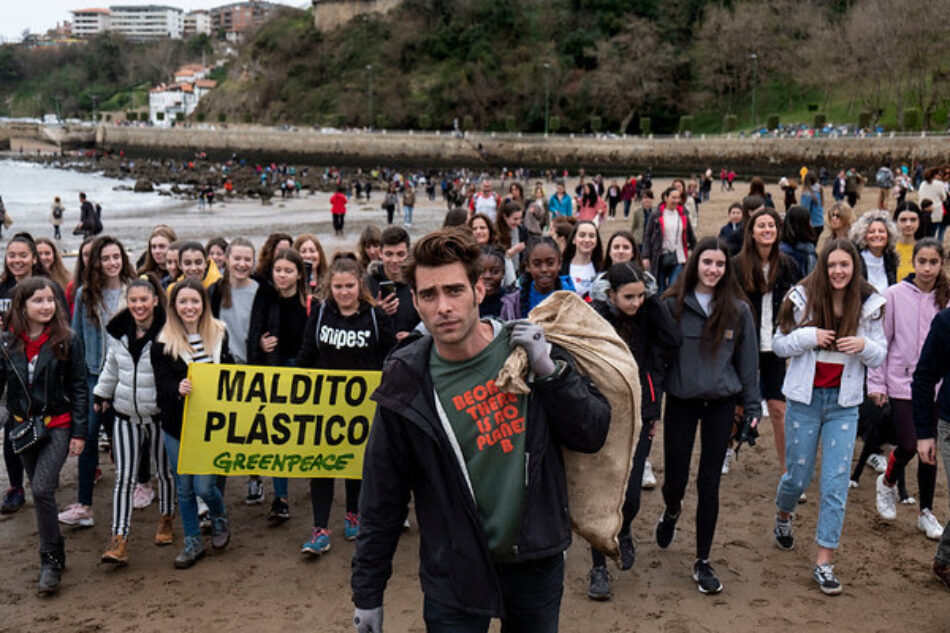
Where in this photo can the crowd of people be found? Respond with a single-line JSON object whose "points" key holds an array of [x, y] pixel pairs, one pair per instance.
{"points": [[831, 325]]}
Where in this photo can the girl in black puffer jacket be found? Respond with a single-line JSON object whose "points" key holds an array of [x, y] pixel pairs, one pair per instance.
{"points": [[647, 327], [346, 331]]}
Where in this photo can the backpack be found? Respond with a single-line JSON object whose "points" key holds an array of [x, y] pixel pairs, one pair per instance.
{"points": [[97, 220], [884, 178], [58, 213]]}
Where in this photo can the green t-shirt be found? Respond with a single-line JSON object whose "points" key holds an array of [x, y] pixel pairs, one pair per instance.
{"points": [[489, 426]]}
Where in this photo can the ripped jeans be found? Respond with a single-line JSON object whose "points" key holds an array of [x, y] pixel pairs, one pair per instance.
{"points": [[834, 427]]}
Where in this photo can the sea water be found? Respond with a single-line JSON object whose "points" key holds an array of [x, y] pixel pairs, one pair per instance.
{"points": [[28, 189]]}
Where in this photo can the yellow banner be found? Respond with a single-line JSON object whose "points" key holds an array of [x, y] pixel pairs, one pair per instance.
{"points": [[276, 421]]}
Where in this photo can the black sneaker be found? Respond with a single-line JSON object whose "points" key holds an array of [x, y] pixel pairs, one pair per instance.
{"points": [[599, 584], [255, 492], [13, 500], [628, 551], [784, 538], [665, 529], [279, 512], [827, 581], [704, 575]]}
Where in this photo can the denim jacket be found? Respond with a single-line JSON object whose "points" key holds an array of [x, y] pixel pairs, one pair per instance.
{"points": [[801, 345], [91, 338]]}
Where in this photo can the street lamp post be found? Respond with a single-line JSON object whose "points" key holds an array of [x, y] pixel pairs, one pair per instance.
{"points": [[755, 72], [547, 97], [369, 91]]}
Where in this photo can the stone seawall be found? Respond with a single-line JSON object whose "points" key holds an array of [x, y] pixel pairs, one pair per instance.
{"points": [[607, 155]]}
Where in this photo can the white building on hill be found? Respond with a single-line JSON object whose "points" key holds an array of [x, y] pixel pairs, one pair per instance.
{"points": [[170, 103], [136, 22], [196, 23], [90, 22], [146, 22]]}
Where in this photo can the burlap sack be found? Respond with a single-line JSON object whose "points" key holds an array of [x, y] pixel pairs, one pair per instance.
{"points": [[597, 483]]}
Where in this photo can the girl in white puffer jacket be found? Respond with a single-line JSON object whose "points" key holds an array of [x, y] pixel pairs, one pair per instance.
{"points": [[127, 384]]}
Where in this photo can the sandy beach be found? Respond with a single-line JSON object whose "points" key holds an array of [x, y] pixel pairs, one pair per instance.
{"points": [[262, 583]]}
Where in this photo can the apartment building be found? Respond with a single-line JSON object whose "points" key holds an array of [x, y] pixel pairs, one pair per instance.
{"points": [[196, 23], [90, 22], [238, 17], [146, 22]]}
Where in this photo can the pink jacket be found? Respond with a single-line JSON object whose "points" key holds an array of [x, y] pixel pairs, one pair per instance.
{"points": [[596, 213], [907, 320]]}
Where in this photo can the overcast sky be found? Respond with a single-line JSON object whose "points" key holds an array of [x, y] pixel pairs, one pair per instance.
{"points": [[16, 15]]}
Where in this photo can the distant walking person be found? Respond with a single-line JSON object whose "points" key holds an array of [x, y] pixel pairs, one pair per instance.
{"points": [[3, 217], [338, 209], [89, 222], [56, 217]]}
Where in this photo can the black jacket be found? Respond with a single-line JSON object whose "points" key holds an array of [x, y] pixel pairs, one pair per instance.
{"points": [[169, 372], [409, 451], [358, 342], [789, 274], [652, 336], [59, 386], [406, 317], [732, 236], [265, 317], [653, 237]]}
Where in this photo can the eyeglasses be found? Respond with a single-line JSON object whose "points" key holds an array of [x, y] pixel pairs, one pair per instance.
{"points": [[835, 216]]}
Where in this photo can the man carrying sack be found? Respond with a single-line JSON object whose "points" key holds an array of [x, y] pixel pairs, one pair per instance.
{"points": [[484, 466]]}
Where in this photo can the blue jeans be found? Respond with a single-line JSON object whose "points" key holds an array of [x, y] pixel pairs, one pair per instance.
{"points": [[939, 230], [666, 277], [805, 426], [531, 593], [407, 214], [89, 458], [190, 487]]}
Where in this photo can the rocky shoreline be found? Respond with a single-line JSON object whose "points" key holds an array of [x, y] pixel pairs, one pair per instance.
{"points": [[183, 179]]}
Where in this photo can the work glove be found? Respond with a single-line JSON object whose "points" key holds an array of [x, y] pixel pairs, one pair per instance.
{"points": [[368, 620], [531, 337]]}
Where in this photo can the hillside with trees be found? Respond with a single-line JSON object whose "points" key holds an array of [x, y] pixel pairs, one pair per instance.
{"points": [[105, 73], [622, 66]]}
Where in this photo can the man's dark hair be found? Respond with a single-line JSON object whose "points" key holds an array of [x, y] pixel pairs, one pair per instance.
{"points": [[393, 236], [751, 203], [82, 196], [442, 248]]}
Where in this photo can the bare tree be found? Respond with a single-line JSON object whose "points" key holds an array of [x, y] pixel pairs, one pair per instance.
{"points": [[631, 71]]}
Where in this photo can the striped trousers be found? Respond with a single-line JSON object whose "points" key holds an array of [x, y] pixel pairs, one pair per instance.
{"points": [[128, 443]]}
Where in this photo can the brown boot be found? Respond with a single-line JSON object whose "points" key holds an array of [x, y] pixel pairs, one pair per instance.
{"points": [[166, 530], [117, 554]]}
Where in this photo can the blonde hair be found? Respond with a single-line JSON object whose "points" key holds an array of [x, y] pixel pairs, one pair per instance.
{"points": [[173, 334]]}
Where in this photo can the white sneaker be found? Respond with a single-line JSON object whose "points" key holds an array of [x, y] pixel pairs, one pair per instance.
{"points": [[886, 500], [929, 524], [908, 501], [649, 479], [852, 483], [877, 461], [727, 461], [142, 496]]}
